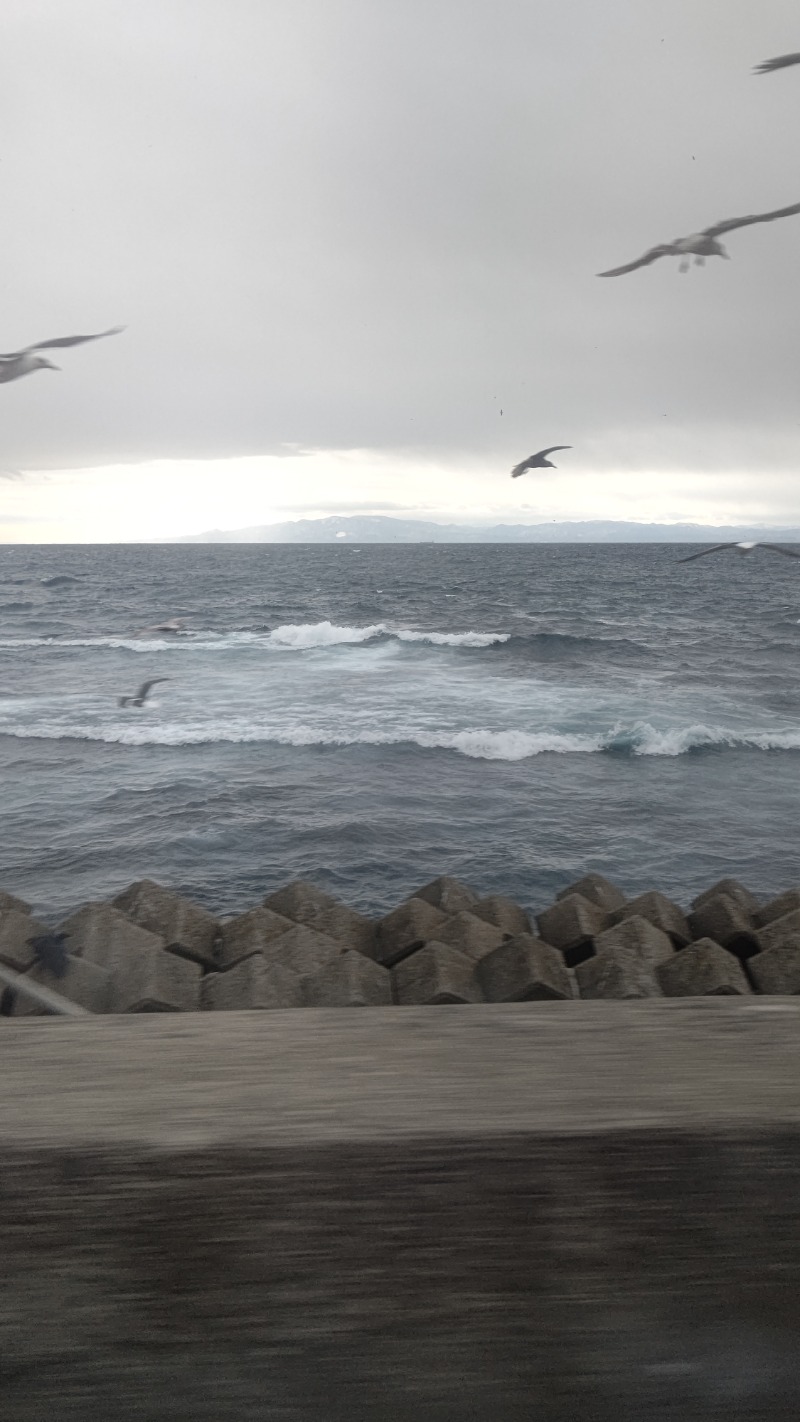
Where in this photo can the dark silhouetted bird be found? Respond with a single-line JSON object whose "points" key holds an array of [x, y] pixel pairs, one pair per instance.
{"points": [[742, 548], [782, 62], [538, 461], [50, 952], [700, 244], [26, 361], [143, 692]]}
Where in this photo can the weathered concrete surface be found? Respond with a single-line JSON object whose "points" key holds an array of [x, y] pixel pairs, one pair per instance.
{"points": [[562, 1211]]}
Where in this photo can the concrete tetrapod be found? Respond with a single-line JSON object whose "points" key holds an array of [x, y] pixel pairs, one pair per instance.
{"points": [[729, 889], [785, 929], [503, 913], [449, 895], [187, 929], [437, 973], [777, 970], [470, 934], [252, 983], [661, 912], [571, 925], [104, 935], [305, 903], [524, 969], [597, 890], [725, 921], [777, 908], [249, 933], [621, 972], [302, 950], [704, 969], [405, 929], [351, 980], [639, 935]]}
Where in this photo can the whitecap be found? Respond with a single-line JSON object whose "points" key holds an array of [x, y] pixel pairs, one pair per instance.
{"points": [[680, 740], [303, 635], [479, 743], [293, 637], [454, 639]]}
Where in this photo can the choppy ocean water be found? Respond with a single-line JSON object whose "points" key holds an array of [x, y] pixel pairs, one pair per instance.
{"points": [[371, 717]]}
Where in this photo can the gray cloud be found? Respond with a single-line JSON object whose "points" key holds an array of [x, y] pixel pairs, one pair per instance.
{"points": [[334, 223]]}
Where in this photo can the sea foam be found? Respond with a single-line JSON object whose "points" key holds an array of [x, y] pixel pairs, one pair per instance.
{"points": [[298, 637], [477, 743]]}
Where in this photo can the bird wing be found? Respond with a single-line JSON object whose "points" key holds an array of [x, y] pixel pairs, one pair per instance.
{"points": [[782, 62], [146, 685], [733, 222], [62, 341], [532, 462], [664, 249], [779, 548], [716, 549]]}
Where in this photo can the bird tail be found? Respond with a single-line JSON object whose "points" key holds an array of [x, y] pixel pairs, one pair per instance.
{"points": [[123, 700]]}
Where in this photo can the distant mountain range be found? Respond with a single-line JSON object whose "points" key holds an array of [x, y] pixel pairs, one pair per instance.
{"points": [[377, 529]]}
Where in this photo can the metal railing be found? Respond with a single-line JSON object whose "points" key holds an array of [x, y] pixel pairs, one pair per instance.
{"points": [[44, 996]]}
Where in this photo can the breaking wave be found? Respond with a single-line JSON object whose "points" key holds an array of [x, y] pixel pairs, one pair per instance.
{"points": [[290, 638], [639, 739]]}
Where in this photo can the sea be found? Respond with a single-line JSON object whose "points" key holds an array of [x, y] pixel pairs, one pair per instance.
{"points": [[369, 717]]}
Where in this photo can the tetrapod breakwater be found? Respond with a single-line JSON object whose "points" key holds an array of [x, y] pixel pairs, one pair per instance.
{"points": [[152, 950]]}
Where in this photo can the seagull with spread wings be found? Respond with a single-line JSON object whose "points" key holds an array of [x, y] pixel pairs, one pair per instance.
{"points": [[26, 361], [143, 692], [742, 548], [782, 62], [701, 244], [538, 461]]}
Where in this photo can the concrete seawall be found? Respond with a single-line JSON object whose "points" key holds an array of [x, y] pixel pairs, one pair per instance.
{"points": [[561, 1210]]}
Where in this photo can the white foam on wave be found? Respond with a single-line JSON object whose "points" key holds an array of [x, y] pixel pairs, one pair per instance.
{"points": [[131, 644], [454, 639], [478, 744], [510, 745], [680, 740], [297, 637], [303, 635], [639, 739]]}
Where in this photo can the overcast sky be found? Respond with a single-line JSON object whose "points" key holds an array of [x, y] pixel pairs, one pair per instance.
{"points": [[355, 246]]}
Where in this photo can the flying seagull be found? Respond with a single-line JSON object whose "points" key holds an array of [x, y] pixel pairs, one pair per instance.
{"points": [[742, 548], [782, 62], [538, 461], [24, 362], [700, 244], [141, 695]]}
